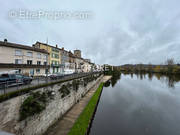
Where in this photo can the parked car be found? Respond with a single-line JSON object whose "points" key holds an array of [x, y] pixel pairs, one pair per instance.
{"points": [[13, 80], [23, 79], [56, 76]]}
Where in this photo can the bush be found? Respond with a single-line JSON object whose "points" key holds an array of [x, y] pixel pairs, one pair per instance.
{"points": [[64, 91], [75, 84], [33, 104]]}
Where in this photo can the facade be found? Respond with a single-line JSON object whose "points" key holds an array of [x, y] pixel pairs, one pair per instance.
{"points": [[71, 62], [24, 59], [64, 56], [54, 56], [77, 53], [88, 60], [86, 67], [79, 64], [99, 67], [42, 59]]}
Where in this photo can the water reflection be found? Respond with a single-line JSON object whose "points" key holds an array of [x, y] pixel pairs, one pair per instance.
{"points": [[139, 104], [107, 84], [170, 80]]}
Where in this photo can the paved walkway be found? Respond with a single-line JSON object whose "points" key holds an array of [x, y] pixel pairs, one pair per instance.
{"points": [[63, 126]]}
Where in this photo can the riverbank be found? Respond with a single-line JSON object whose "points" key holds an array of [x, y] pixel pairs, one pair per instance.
{"points": [[82, 123], [64, 125]]}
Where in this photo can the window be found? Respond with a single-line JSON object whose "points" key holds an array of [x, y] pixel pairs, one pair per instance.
{"points": [[46, 71], [38, 70], [38, 62], [18, 52], [45, 56], [55, 62], [18, 61], [38, 55], [55, 50], [55, 55], [18, 71], [29, 54], [45, 63], [29, 62]]}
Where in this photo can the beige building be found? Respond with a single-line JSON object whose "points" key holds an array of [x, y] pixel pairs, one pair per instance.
{"points": [[27, 60]]}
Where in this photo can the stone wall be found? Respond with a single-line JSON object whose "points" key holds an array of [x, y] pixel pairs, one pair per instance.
{"points": [[38, 124]]}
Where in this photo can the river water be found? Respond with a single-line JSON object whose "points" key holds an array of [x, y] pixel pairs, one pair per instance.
{"points": [[139, 105]]}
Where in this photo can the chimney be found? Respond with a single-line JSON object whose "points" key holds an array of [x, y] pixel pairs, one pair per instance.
{"points": [[5, 40], [56, 46], [62, 48]]}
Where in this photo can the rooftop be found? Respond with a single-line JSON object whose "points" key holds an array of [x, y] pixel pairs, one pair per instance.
{"points": [[14, 45]]}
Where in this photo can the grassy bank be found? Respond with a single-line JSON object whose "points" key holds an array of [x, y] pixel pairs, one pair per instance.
{"points": [[81, 124]]}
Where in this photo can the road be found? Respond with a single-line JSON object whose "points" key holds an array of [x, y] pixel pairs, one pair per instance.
{"points": [[41, 80]]}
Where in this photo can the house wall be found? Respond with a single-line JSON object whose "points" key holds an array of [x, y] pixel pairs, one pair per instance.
{"points": [[54, 68], [7, 55]]}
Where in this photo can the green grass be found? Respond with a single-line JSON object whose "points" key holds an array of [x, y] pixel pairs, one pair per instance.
{"points": [[81, 124]]}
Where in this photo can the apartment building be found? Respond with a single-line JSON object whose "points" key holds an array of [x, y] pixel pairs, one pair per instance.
{"points": [[54, 56], [64, 56], [25, 59]]}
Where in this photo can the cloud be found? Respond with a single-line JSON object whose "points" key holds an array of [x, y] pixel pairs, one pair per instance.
{"points": [[119, 32]]}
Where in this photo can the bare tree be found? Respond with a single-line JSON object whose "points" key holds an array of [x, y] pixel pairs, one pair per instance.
{"points": [[170, 61], [170, 64]]}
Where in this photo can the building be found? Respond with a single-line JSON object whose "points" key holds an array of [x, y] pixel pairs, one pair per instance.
{"points": [[54, 56], [88, 60], [71, 62], [64, 56], [79, 61], [25, 59], [86, 67], [99, 67], [78, 64], [77, 53]]}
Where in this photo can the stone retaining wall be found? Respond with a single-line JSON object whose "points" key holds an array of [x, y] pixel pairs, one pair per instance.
{"points": [[38, 124]]}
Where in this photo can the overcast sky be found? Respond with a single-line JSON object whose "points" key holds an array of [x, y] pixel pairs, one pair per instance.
{"points": [[113, 32]]}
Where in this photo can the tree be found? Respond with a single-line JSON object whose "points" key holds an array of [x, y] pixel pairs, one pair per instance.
{"points": [[170, 64], [170, 61]]}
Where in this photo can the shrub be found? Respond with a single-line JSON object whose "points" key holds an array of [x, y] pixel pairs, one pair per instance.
{"points": [[64, 91], [75, 84], [33, 104]]}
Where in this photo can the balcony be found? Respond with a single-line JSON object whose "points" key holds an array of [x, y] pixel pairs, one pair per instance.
{"points": [[55, 65]]}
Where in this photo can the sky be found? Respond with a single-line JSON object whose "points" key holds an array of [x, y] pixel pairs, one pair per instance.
{"points": [[112, 32]]}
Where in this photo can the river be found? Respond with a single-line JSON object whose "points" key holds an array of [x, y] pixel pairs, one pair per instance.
{"points": [[141, 104]]}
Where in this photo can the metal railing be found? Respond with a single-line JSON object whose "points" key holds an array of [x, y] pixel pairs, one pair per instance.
{"points": [[9, 86]]}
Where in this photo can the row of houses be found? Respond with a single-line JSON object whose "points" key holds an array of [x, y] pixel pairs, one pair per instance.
{"points": [[41, 59]]}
